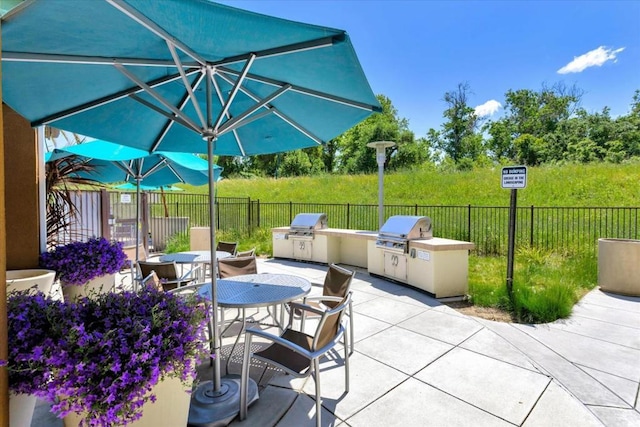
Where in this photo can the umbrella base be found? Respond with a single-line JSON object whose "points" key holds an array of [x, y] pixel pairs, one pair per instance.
{"points": [[209, 409]]}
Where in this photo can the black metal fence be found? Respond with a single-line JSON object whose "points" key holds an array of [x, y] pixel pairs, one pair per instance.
{"points": [[561, 229]]}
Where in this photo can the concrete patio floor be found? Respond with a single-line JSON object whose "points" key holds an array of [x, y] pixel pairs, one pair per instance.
{"points": [[418, 362]]}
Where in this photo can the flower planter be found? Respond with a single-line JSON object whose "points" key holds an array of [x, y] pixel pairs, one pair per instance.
{"points": [[619, 266], [171, 407], [25, 279], [21, 407], [98, 285]]}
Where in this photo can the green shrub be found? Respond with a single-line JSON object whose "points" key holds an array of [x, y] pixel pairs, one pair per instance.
{"points": [[178, 242]]}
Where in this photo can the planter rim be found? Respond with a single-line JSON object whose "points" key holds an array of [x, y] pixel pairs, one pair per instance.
{"points": [[612, 240]]}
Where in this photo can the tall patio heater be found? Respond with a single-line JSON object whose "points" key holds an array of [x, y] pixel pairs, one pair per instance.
{"points": [[381, 156]]}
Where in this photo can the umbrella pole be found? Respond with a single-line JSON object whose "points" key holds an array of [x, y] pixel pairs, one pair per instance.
{"points": [[216, 403], [137, 242]]}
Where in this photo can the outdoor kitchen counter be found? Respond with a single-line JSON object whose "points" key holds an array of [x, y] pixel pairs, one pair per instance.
{"points": [[330, 245], [438, 266], [439, 244]]}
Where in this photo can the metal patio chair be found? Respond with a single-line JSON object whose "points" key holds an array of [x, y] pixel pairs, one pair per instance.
{"points": [[297, 352], [168, 274]]}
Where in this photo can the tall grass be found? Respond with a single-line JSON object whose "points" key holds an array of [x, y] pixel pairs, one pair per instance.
{"points": [[600, 184], [546, 285]]}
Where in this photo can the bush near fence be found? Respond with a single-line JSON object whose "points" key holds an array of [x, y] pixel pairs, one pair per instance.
{"points": [[564, 230]]}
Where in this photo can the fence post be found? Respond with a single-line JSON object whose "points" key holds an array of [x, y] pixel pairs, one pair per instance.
{"points": [[249, 225], [259, 213], [531, 229], [348, 216], [469, 223], [105, 212], [415, 210], [290, 212], [216, 205]]}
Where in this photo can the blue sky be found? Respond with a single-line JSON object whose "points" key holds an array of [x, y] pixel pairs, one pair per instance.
{"points": [[415, 51]]}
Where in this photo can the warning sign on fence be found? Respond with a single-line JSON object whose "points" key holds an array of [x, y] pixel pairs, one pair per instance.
{"points": [[514, 177]]}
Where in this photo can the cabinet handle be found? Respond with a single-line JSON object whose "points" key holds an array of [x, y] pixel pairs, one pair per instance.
{"points": [[301, 246]]}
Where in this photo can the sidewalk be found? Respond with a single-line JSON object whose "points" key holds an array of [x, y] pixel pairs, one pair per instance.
{"points": [[420, 363]]}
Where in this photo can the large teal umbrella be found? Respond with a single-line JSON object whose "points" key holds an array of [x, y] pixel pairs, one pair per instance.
{"points": [[187, 76]]}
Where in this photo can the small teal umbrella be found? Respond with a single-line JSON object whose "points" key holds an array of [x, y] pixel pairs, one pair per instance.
{"points": [[128, 186], [117, 163]]}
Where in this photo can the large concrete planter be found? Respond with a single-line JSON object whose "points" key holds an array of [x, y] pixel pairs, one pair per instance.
{"points": [[25, 279], [171, 407], [619, 266], [95, 286], [21, 407]]}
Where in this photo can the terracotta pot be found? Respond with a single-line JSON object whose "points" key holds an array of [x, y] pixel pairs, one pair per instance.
{"points": [[98, 285], [171, 407], [21, 407]]}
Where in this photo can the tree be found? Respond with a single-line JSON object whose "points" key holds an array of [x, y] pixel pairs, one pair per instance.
{"points": [[356, 157], [537, 114], [459, 137]]}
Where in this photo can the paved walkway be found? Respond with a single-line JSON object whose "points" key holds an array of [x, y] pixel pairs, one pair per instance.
{"points": [[419, 363]]}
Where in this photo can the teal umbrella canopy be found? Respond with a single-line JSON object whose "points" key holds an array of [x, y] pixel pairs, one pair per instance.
{"points": [[189, 76], [132, 187], [161, 75], [117, 163]]}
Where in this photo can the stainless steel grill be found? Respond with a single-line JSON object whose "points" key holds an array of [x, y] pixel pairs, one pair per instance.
{"points": [[304, 225], [396, 233]]}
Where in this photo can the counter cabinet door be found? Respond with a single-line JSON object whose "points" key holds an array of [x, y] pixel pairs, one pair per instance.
{"points": [[395, 266], [302, 249]]}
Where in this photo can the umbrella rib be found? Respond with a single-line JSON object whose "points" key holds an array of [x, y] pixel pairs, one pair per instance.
{"points": [[171, 118], [299, 127], [231, 124], [89, 60], [104, 100], [284, 50], [234, 91], [306, 91], [161, 164], [221, 99], [186, 83], [283, 116], [154, 28], [155, 95], [252, 118]]}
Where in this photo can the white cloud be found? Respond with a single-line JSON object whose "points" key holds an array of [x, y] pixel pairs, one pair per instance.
{"points": [[594, 58], [488, 108]]}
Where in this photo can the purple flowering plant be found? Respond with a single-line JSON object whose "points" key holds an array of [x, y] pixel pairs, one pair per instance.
{"points": [[101, 356], [78, 262]]}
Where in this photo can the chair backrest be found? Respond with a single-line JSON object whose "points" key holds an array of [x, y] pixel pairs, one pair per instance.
{"points": [[130, 252], [230, 247], [237, 266], [164, 270], [329, 324], [337, 283], [250, 252], [153, 280]]}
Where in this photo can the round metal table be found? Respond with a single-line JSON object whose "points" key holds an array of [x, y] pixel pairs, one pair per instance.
{"points": [[194, 257], [254, 291]]}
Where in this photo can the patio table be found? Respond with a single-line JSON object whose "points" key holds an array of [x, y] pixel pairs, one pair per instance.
{"points": [[194, 257], [255, 291]]}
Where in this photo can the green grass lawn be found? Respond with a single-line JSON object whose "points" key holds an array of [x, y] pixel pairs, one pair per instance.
{"points": [[545, 286]]}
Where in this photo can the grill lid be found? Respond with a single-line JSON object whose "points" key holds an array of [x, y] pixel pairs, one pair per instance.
{"points": [[309, 221], [406, 228]]}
